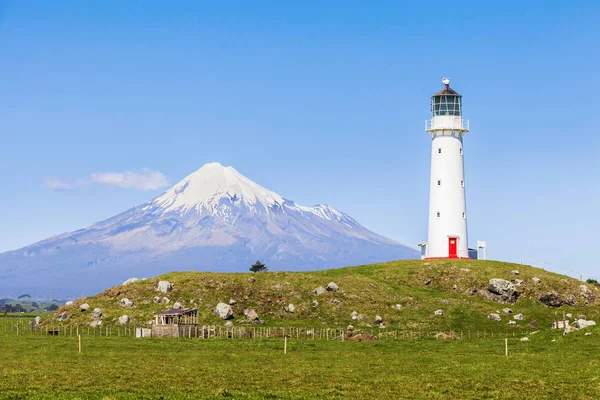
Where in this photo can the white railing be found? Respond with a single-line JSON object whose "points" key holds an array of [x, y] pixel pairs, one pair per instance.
{"points": [[457, 124]]}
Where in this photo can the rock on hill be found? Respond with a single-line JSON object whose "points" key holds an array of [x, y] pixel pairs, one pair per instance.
{"points": [[215, 219], [408, 295]]}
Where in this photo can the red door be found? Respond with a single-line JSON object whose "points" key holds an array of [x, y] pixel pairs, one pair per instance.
{"points": [[452, 247]]}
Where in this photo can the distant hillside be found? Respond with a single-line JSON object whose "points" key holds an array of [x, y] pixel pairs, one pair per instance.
{"points": [[405, 294]]}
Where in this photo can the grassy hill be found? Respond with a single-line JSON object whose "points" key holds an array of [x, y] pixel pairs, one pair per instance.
{"points": [[420, 288]]}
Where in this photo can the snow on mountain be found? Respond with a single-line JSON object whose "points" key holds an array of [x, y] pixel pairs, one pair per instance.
{"points": [[206, 188], [215, 219]]}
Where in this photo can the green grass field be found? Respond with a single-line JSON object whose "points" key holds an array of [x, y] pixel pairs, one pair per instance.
{"points": [[550, 365], [40, 367]]}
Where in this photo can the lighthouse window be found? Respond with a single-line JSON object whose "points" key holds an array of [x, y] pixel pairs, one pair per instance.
{"points": [[439, 182], [462, 184], [464, 216], [447, 105], [439, 150], [438, 214], [461, 151]]}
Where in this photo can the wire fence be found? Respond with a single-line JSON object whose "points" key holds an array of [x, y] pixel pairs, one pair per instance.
{"points": [[552, 267], [23, 327]]}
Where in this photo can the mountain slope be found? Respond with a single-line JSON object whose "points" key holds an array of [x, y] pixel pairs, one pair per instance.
{"points": [[213, 220]]}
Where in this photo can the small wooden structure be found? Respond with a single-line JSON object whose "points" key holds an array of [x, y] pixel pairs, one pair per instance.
{"points": [[177, 322]]}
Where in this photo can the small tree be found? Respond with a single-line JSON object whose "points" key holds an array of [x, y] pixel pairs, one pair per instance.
{"points": [[258, 267]]}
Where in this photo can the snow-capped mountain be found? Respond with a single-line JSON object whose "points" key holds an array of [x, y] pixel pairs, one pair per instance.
{"points": [[215, 219]]}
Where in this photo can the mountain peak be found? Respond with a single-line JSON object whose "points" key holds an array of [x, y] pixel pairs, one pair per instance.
{"points": [[204, 189]]}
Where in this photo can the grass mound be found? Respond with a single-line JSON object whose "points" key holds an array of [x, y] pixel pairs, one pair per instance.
{"points": [[405, 294]]}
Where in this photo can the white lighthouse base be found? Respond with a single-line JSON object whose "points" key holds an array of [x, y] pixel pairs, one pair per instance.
{"points": [[423, 246]]}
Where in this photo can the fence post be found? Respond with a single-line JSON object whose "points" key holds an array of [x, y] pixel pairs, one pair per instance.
{"points": [[506, 347]]}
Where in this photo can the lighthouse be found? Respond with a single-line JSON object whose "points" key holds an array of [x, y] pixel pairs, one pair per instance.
{"points": [[447, 233]]}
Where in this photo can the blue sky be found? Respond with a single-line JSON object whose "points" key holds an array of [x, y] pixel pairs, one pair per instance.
{"points": [[322, 102]]}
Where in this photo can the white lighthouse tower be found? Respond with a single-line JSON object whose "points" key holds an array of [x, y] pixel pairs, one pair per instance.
{"points": [[447, 235]]}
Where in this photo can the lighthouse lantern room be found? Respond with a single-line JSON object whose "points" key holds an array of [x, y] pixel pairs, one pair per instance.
{"points": [[447, 233]]}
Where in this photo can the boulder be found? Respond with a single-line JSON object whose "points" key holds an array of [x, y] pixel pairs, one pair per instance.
{"points": [[525, 339], [571, 300], [224, 311], [507, 311], [157, 299], [534, 324], [584, 289], [130, 280], [514, 272], [37, 320], [350, 328], [444, 336], [319, 291], [454, 287], [552, 299], [438, 312], [164, 286], [69, 303], [427, 264], [166, 300], [427, 282], [291, 308], [494, 317], [519, 317], [96, 323], [332, 287], [231, 302], [503, 288], [398, 307], [354, 315], [465, 270], [569, 315], [124, 319], [518, 282], [315, 303], [378, 320], [582, 323], [228, 324], [588, 334], [569, 329], [335, 301], [126, 303], [536, 280], [97, 313], [511, 322], [251, 314], [84, 307], [177, 305]]}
